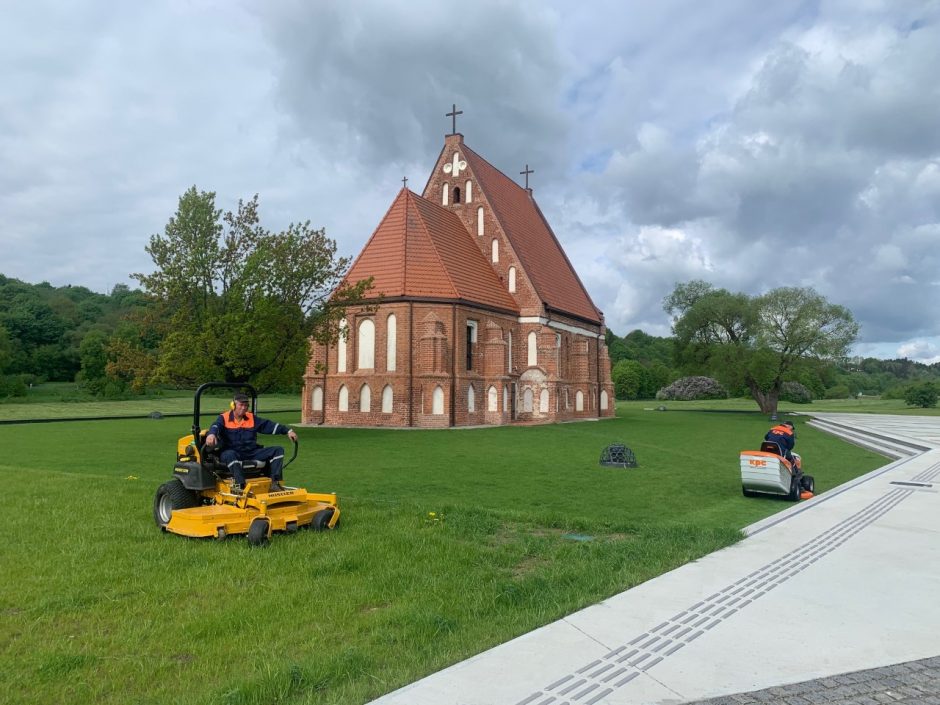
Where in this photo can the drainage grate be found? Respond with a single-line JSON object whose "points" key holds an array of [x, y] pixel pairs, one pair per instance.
{"points": [[912, 484]]}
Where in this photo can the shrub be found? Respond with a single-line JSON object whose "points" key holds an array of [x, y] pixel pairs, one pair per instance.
{"points": [[796, 393], [840, 391], [923, 395], [691, 388]]}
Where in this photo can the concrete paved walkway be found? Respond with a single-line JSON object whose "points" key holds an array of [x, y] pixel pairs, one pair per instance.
{"points": [[845, 582]]}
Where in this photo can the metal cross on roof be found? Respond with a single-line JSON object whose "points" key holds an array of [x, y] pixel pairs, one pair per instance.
{"points": [[527, 172], [453, 115], [404, 182]]}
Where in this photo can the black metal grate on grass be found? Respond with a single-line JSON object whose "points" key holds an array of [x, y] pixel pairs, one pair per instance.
{"points": [[617, 455]]}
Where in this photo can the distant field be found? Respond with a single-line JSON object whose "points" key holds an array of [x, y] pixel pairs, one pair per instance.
{"points": [[864, 405], [98, 606]]}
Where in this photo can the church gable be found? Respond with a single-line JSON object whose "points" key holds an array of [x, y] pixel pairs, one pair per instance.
{"points": [[511, 231]]}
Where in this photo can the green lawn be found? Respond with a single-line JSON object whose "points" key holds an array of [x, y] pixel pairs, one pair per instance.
{"points": [[98, 606]]}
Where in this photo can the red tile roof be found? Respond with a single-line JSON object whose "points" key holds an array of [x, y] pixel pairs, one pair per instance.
{"points": [[539, 251], [423, 250]]}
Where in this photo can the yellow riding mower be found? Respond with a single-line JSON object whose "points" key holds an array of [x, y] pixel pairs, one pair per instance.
{"points": [[201, 500]]}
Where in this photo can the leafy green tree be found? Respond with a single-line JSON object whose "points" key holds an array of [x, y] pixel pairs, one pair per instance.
{"points": [[235, 301], [93, 353], [923, 395], [757, 341], [631, 380]]}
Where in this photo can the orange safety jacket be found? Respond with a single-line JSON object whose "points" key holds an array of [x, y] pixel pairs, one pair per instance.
{"points": [[242, 436]]}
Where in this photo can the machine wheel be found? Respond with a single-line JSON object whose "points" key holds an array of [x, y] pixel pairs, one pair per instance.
{"points": [[258, 533], [795, 490], [170, 497], [808, 483], [321, 520]]}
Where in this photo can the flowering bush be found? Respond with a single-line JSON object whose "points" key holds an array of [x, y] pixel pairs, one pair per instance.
{"points": [[796, 393], [690, 388]]}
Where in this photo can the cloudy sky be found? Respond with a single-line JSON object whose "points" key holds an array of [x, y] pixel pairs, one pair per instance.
{"points": [[752, 145]]}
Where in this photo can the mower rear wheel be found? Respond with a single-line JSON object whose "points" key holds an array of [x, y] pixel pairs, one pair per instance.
{"points": [[258, 533], [808, 483], [321, 520], [171, 496]]}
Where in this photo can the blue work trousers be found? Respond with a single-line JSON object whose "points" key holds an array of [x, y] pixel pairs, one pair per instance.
{"points": [[233, 460]]}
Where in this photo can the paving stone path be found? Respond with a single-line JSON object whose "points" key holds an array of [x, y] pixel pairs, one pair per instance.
{"points": [[911, 683]]}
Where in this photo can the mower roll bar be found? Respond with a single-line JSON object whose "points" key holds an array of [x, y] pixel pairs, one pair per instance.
{"points": [[244, 386]]}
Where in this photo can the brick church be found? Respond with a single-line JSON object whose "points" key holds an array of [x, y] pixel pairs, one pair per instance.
{"points": [[482, 319]]}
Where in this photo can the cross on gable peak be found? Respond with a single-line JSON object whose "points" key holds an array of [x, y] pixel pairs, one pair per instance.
{"points": [[453, 115]]}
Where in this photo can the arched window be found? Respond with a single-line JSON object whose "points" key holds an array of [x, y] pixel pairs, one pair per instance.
{"points": [[391, 342], [365, 399], [505, 398], [343, 398], [492, 399], [316, 398], [495, 249], [471, 399], [366, 342], [341, 346], [437, 401], [445, 191], [509, 354], [533, 350], [527, 400], [567, 401], [512, 280], [604, 399], [579, 401], [456, 194], [387, 399], [467, 191], [480, 220], [543, 401]]}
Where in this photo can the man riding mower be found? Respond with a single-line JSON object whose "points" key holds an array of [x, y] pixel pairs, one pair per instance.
{"points": [[224, 483], [775, 469]]}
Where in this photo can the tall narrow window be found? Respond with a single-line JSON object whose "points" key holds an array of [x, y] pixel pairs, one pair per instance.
{"points": [[341, 346], [316, 401], [343, 398], [533, 350], [509, 354], [456, 194], [437, 401], [366, 343], [471, 399], [365, 399], [512, 280], [495, 248], [468, 191], [604, 400], [391, 342], [471, 342], [445, 192], [527, 400], [480, 220], [579, 401], [492, 399], [543, 401], [505, 399], [387, 399]]}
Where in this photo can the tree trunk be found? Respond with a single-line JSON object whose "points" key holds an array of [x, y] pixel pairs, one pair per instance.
{"points": [[767, 401]]}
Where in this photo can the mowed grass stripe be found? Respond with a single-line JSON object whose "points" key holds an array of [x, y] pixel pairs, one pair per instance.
{"points": [[98, 606]]}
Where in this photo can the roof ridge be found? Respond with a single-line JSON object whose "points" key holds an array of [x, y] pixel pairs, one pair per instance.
{"points": [[565, 255], [375, 232]]}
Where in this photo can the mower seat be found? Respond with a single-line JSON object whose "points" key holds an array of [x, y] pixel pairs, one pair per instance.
{"points": [[771, 447]]}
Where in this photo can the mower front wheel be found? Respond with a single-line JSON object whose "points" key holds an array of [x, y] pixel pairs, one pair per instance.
{"points": [[321, 520], [170, 497], [808, 483], [258, 532]]}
